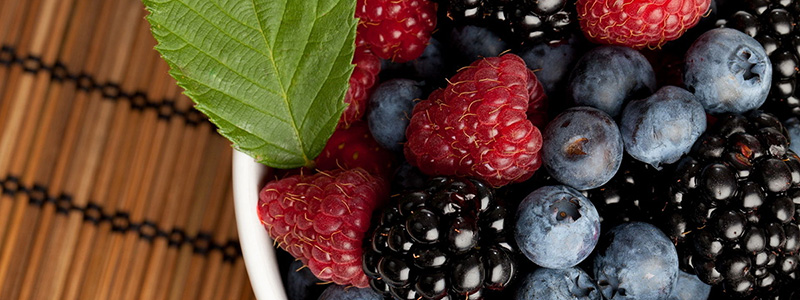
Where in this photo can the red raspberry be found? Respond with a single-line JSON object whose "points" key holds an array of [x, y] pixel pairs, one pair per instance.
{"points": [[477, 125], [354, 147], [537, 105], [395, 29], [638, 23], [363, 79], [322, 219]]}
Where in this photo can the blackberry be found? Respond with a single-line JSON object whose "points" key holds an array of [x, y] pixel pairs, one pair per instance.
{"points": [[520, 21], [629, 196], [449, 240], [773, 24], [732, 206]]}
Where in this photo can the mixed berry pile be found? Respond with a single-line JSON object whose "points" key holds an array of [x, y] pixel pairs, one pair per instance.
{"points": [[555, 149]]}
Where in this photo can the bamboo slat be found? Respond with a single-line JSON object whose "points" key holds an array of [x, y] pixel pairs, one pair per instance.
{"points": [[111, 185]]}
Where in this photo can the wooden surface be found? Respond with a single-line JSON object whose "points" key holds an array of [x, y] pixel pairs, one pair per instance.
{"points": [[113, 186]]}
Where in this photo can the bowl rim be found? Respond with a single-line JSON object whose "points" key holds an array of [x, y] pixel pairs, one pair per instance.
{"points": [[257, 247]]}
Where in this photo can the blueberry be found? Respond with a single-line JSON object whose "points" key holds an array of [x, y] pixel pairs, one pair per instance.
{"points": [[689, 287], [636, 261], [553, 62], [557, 227], [389, 111], [430, 65], [793, 128], [564, 284], [607, 76], [473, 42], [728, 71], [582, 148], [663, 127], [338, 292], [300, 283]]}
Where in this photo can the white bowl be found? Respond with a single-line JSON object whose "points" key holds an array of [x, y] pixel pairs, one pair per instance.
{"points": [[257, 250]]}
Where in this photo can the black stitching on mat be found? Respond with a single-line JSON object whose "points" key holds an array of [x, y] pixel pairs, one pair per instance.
{"points": [[109, 90], [202, 243]]}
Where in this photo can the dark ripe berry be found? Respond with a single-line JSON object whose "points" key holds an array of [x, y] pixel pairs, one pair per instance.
{"points": [[519, 21], [750, 196], [754, 240], [706, 270], [707, 245], [398, 240], [729, 224], [499, 268], [718, 181], [467, 274], [449, 240], [404, 293], [462, 235], [775, 175], [394, 271], [422, 226], [776, 236], [429, 257], [432, 285], [379, 286], [782, 209], [733, 213], [735, 266], [792, 243]]}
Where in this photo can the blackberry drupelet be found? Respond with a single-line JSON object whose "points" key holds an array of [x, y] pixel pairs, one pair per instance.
{"points": [[774, 25], [732, 207], [520, 21], [451, 240], [629, 196]]}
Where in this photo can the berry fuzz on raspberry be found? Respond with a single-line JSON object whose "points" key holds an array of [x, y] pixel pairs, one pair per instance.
{"points": [[478, 125], [638, 23], [321, 219], [449, 240]]}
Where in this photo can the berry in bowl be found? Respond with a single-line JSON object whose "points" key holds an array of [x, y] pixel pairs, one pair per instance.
{"points": [[516, 149]]}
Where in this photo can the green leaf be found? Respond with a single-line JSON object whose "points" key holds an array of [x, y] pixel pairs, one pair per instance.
{"points": [[271, 74]]}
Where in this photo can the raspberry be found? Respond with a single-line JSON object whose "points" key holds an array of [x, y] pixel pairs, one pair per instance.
{"points": [[477, 125], [395, 29], [363, 79], [354, 147], [638, 23], [321, 219]]}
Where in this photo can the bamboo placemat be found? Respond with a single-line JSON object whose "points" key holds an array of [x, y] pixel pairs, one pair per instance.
{"points": [[113, 186]]}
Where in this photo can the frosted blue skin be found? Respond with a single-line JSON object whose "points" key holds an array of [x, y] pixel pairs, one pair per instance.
{"points": [[299, 281], [553, 63], [728, 71], [474, 42], [564, 284], [582, 148], [636, 261], [663, 127], [557, 227], [689, 287], [793, 128], [338, 292], [607, 76], [389, 112]]}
